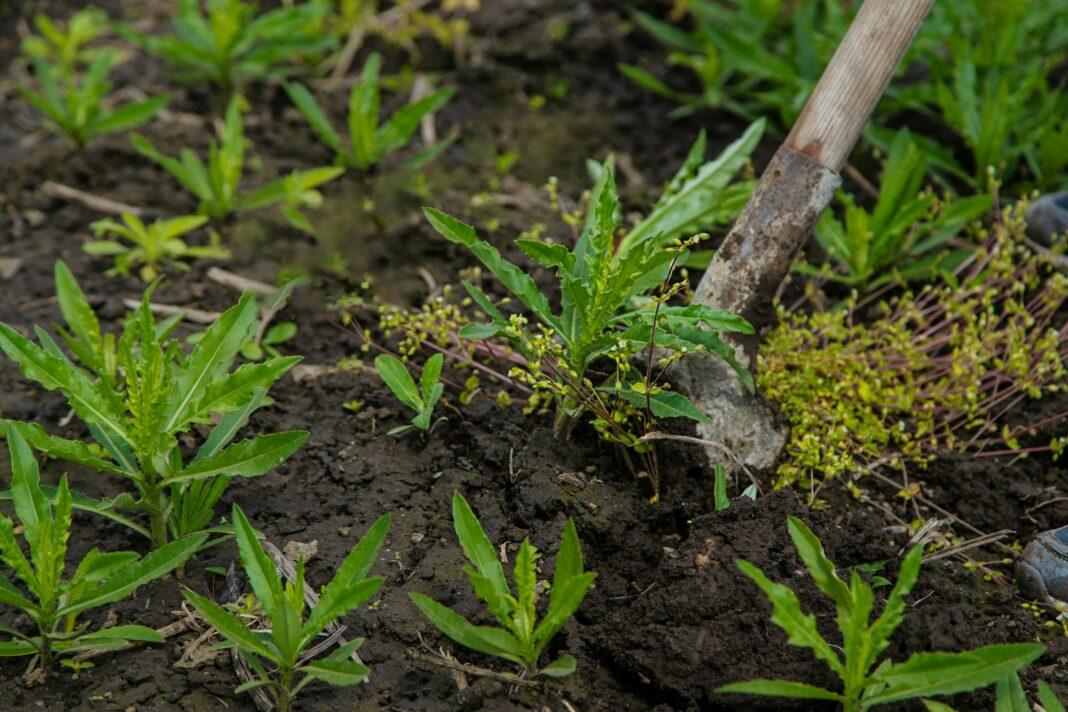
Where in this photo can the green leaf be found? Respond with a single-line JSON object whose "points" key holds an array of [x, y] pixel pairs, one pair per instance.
{"points": [[93, 404], [31, 506], [233, 390], [210, 359], [230, 626], [781, 688], [80, 318], [492, 641], [1011, 696], [664, 404], [516, 280], [350, 574], [340, 673], [822, 569], [261, 571], [476, 545], [935, 706], [562, 667], [396, 376], [136, 633], [130, 115], [59, 448], [931, 674], [251, 457], [787, 614], [719, 490], [1048, 699], [122, 584], [313, 113]]}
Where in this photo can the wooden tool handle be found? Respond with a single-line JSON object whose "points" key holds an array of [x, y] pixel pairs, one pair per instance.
{"points": [[803, 176], [855, 79]]}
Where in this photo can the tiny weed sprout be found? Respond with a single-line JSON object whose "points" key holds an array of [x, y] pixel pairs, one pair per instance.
{"points": [[67, 47], [100, 578], [521, 637], [282, 655], [154, 246], [863, 640], [217, 184], [75, 107], [904, 238], [421, 398], [225, 42], [369, 141], [138, 393]]}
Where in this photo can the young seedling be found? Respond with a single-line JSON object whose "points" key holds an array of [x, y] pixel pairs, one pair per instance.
{"points": [[368, 141], [905, 236], [67, 47], [154, 246], [217, 184], [225, 43], [75, 108], [421, 398], [280, 656], [864, 640], [54, 602], [139, 393], [521, 637]]}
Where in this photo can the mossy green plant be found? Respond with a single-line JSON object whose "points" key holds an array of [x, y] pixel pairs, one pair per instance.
{"points": [[936, 370]]}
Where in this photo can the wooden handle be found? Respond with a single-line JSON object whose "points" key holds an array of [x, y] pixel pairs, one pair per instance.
{"points": [[855, 79]]}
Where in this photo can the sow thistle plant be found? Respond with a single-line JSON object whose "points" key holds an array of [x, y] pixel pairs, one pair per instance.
{"points": [[76, 106], [590, 356], [217, 184], [227, 43], [370, 140], [138, 393], [154, 246], [54, 602], [281, 656], [925, 372], [522, 637], [866, 681]]}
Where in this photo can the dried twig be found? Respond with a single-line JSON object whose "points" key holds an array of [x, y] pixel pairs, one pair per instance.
{"points": [[93, 202], [197, 316]]}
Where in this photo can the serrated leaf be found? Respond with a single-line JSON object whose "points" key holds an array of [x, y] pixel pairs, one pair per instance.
{"points": [[249, 458]]}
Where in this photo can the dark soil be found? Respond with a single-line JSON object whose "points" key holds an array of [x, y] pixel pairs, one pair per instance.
{"points": [[671, 617]]}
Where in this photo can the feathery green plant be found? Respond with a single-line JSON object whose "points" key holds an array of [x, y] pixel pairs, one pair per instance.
{"points": [[522, 637], [864, 640], [138, 393], [369, 140], [280, 655], [154, 246], [54, 602]]}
